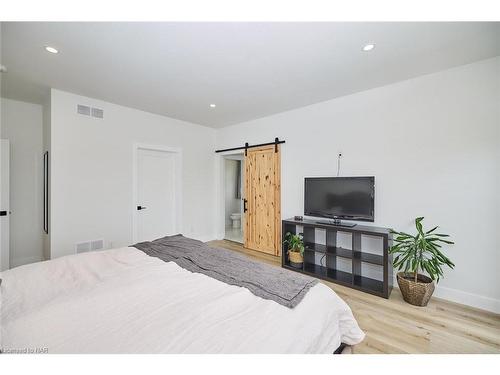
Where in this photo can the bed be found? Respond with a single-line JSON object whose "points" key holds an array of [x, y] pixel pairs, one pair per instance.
{"points": [[125, 301]]}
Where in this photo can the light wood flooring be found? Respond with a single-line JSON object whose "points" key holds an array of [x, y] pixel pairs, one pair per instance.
{"points": [[393, 326]]}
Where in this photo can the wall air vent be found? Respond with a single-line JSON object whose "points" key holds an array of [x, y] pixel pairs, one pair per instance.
{"points": [[84, 247], [98, 113], [83, 110], [87, 111], [97, 245]]}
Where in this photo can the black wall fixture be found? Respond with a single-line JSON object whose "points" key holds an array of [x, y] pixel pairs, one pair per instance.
{"points": [[46, 192], [247, 146]]}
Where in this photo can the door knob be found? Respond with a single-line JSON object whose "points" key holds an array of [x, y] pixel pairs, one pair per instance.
{"points": [[3, 213], [141, 208]]}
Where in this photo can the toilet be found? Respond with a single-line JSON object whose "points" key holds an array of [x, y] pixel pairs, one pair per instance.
{"points": [[236, 218]]}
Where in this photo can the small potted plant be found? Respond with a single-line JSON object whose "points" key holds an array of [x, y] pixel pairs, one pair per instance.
{"points": [[419, 252], [295, 244]]}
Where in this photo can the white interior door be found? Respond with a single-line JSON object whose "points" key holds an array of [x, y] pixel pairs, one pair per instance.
{"points": [[157, 194], [4, 204]]}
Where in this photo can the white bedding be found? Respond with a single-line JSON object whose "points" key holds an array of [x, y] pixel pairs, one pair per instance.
{"points": [[123, 301]]}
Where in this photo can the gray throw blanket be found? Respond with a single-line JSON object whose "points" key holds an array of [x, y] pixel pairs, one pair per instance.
{"points": [[282, 286]]}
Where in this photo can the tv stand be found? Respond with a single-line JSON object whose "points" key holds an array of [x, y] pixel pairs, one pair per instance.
{"points": [[357, 257], [337, 223]]}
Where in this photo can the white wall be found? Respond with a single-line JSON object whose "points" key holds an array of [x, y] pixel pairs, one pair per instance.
{"points": [[433, 144], [22, 125], [91, 171]]}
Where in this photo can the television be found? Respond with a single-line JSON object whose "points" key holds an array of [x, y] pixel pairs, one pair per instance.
{"points": [[340, 198]]}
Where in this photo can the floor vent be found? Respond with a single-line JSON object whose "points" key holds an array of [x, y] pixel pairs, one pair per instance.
{"points": [[84, 247]]}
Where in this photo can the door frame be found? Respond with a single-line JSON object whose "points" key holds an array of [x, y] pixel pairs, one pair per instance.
{"points": [[5, 205], [221, 191], [177, 152], [231, 156]]}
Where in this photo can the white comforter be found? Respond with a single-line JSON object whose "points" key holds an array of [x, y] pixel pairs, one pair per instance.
{"points": [[123, 301]]}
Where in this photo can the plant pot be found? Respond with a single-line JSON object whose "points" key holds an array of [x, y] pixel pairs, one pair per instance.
{"points": [[416, 293], [296, 260]]}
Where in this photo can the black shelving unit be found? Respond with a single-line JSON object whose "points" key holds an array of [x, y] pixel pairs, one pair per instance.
{"points": [[329, 254]]}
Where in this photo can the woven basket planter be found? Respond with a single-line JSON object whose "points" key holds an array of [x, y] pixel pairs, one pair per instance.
{"points": [[416, 293], [296, 260]]}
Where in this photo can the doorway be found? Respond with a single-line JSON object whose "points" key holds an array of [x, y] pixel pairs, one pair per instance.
{"points": [[233, 194], [157, 192]]}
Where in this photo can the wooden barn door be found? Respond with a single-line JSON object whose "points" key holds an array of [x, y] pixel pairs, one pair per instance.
{"points": [[263, 199]]}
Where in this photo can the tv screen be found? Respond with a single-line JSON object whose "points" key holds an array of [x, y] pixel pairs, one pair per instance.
{"points": [[350, 198]]}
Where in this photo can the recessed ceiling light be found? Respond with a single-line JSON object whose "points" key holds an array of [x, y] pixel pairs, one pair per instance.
{"points": [[212, 106], [51, 49], [368, 47]]}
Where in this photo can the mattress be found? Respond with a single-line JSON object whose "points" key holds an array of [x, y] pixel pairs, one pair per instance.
{"points": [[124, 301]]}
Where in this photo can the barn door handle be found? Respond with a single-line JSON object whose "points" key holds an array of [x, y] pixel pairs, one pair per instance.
{"points": [[141, 208], [245, 205]]}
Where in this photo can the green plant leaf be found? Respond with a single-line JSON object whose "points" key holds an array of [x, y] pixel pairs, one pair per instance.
{"points": [[418, 224], [447, 242], [295, 242], [421, 252], [432, 230]]}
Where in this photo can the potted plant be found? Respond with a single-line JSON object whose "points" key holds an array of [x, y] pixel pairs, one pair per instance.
{"points": [[419, 252], [295, 244]]}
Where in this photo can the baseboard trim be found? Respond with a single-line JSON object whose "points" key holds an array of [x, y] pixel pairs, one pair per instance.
{"points": [[22, 261], [202, 237], [469, 299]]}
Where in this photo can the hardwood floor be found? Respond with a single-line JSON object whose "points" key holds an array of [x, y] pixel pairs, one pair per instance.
{"points": [[393, 326]]}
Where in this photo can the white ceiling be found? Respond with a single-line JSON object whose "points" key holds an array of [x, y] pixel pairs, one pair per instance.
{"points": [[249, 70]]}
